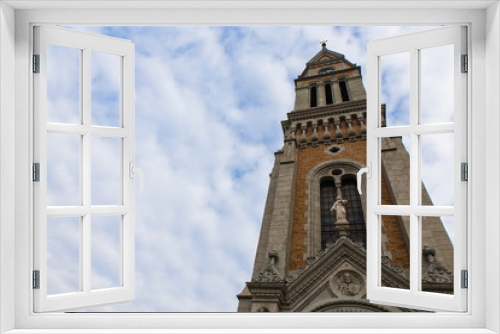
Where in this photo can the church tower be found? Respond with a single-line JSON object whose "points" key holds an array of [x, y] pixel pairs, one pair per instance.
{"points": [[311, 254]]}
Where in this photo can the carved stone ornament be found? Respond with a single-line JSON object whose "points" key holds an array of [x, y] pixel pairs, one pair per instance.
{"points": [[269, 274], [429, 253], [438, 273], [348, 283], [319, 254]]}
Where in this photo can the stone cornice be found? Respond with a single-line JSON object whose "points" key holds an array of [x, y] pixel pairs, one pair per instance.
{"points": [[333, 78], [327, 111]]}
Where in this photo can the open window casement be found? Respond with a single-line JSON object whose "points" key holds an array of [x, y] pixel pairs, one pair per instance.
{"points": [[83, 170], [428, 223]]}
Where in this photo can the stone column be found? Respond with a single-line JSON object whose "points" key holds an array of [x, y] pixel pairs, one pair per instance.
{"points": [[303, 137], [351, 133], [363, 126], [314, 138], [326, 133], [338, 132]]}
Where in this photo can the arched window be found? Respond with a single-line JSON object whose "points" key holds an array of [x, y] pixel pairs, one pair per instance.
{"points": [[343, 91], [328, 94], [328, 194], [314, 99], [357, 228]]}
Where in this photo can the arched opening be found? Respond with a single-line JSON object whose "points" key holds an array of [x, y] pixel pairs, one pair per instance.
{"points": [[343, 91], [328, 94], [314, 98], [328, 194]]}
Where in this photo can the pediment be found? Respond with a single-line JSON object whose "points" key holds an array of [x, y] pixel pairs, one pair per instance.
{"points": [[327, 59], [342, 268]]}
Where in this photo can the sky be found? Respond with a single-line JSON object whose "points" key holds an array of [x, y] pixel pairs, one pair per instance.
{"points": [[208, 106]]}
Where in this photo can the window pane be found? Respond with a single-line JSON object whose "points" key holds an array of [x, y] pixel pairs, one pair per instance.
{"points": [[437, 84], [328, 195], [437, 169], [395, 171], [354, 209], [63, 255], [395, 251], [395, 90], [106, 171], [63, 84], [437, 254], [63, 169], [106, 252], [106, 78]]}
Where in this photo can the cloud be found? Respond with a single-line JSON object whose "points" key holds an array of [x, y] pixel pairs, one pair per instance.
{"points": [[209, 101]]}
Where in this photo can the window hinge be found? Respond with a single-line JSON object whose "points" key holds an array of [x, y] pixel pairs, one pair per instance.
{"points": [[464, 172], [36, 172], [36, 63], [465, 64], [465, 279], [36, 279]]}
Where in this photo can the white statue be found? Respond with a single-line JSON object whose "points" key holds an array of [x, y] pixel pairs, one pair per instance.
{"points": [[339, 207]]}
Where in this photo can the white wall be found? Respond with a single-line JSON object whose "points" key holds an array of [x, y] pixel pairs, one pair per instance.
{"points": [[7, 91]]}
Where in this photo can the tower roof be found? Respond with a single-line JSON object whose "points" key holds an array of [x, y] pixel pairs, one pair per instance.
{"points": [[328, 60]]}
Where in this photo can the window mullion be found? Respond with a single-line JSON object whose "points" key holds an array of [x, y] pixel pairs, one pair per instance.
{"points": [[85, 244], [414, 170]]}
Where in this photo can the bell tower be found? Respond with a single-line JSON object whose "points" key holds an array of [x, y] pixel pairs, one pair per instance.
{"points": [[311, 254]]}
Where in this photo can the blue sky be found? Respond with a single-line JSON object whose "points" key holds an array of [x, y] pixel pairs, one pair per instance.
{"points": [[209, 101]]}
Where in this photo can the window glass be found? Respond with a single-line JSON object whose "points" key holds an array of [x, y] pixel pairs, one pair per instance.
{"points": [[328, 217], [63, 169], [63, 84], [395, 88], [106, 171], [395, 250], [437, 84], [106, 252], [106, 76], [63, 255]]}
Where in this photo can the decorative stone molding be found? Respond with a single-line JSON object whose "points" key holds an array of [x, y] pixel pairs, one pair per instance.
{"points": [[269, 273], [396, 268], [319, 254], [348, 283], [314, 137], [437, 273], [350, 132], [338, 133], [363, 126], [326, 132], [349, 306]]}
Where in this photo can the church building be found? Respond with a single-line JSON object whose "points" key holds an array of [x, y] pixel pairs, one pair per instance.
{"points": [[311, 255]]}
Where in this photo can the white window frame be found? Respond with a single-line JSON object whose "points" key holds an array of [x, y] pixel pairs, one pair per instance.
{"points": [[86, 44], [483, 20], [413, 44]]}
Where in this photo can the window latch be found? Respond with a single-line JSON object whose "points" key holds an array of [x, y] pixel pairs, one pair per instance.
{"points": [[368, 171], [133, 170]]}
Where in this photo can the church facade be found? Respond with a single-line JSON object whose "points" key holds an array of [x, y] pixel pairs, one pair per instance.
{"points": [[311, 255]]}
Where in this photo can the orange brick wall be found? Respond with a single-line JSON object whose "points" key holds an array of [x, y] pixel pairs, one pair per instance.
{"points": [[309, 157]]}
